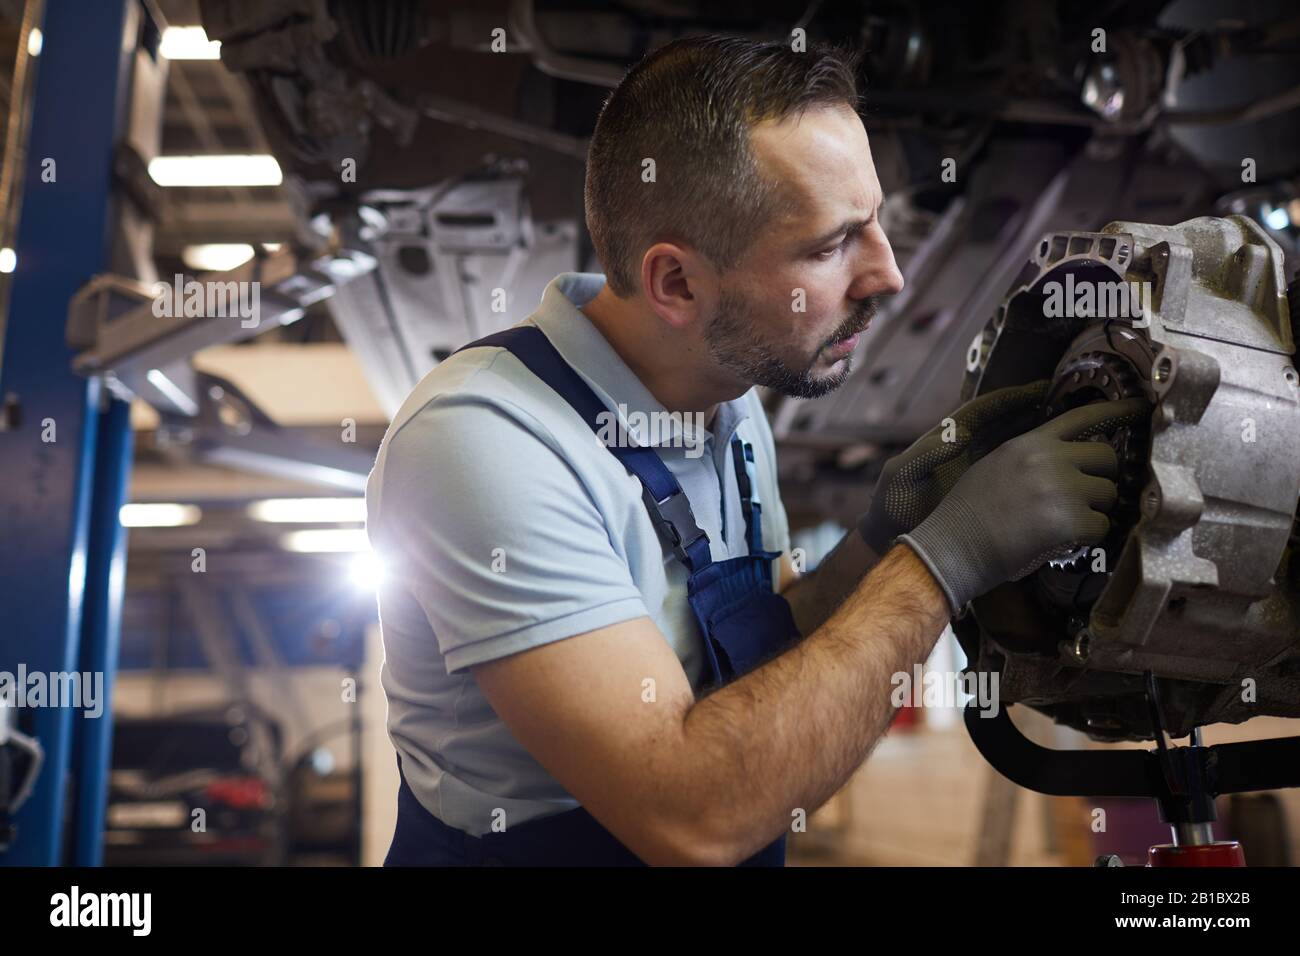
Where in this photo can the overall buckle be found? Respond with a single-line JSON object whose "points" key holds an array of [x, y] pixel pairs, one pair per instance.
{"points": [[670, 515]]}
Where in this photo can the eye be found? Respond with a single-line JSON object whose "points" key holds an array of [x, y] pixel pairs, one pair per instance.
{"points": [[826, 254]]}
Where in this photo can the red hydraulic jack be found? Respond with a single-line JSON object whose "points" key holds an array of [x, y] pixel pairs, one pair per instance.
{"points": [[1182, 780], [1186, 802], [1187, 805]]}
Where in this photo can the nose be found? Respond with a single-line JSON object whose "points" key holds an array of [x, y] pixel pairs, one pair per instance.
{"points": [[893, 276], [880, 274]]}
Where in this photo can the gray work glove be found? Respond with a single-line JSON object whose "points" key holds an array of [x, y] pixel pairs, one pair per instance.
{"points": [[1035, 496], [912, 483]]}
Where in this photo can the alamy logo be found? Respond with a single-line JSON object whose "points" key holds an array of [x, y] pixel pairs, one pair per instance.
{"points": [[930, 688], [209, 299], [84, 691], [665, 429], [75, 908], [1097, 300]]}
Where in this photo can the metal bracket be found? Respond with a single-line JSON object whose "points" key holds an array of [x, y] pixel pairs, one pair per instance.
{"points": [[1223, 768]]}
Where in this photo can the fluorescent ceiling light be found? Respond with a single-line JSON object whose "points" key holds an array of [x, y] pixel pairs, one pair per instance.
{"points": [[319, 540], [308, 510], [217, 256], [258, 169], [158, 515], [189, 43]]}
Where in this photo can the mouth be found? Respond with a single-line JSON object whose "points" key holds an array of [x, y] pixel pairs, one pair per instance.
{"points": [[843, 347], [839, 348]]}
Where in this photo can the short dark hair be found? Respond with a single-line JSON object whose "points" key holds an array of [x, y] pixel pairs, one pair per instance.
{"points": [[689, 106]]}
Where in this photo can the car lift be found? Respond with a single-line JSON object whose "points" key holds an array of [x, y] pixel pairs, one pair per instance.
{"points": [[61, 434], [82, 338]]}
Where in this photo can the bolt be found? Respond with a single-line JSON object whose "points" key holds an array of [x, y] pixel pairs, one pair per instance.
{"points": [[1151, 502]]}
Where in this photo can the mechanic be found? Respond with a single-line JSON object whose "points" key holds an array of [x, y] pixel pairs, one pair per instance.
{"points": [[586, 658]]}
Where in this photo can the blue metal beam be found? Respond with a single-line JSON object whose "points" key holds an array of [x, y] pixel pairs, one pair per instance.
{"points": [[45, 498], [101, 631]]}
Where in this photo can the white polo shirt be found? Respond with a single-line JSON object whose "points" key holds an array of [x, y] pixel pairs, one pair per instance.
{"points": [[504, 523]]}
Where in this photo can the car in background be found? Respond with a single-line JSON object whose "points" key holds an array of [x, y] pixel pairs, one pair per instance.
{"points": [[201, 788]]}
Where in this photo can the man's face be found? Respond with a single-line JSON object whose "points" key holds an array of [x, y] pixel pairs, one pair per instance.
{"points": [[789, 314]]}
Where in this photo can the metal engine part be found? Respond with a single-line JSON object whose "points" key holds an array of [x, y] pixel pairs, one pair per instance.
{"points": [[1198, 582]]}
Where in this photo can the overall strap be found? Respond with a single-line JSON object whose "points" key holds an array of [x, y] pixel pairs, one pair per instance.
{"points": [[742, 453], [669, 508]]}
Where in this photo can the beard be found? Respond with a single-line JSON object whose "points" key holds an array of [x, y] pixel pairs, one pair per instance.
{"points": [[734, 345]]}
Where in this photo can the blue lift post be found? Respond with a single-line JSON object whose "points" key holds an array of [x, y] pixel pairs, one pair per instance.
{"points": [[60, 543], [101, 621]]}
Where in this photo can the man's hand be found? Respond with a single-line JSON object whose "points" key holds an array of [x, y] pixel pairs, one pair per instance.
{"points": [[1039, 493], [913, 483]]}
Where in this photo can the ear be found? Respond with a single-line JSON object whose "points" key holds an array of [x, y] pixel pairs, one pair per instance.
{"points": [[680, 285]]}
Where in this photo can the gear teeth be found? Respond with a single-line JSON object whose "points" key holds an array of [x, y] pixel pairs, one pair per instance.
{"points": [[1066, 560]]}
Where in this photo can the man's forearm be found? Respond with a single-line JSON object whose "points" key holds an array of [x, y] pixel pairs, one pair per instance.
{"points": [[814, 596], [789, 734]]}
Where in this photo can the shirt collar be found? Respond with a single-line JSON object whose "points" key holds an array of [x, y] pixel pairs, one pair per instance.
{"points": [[585, 348]]}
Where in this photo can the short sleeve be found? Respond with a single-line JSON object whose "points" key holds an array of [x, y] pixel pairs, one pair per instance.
{"points": [[489, 527]]}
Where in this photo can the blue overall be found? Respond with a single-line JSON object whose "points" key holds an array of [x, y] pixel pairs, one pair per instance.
{"points": [[743, 621]]}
